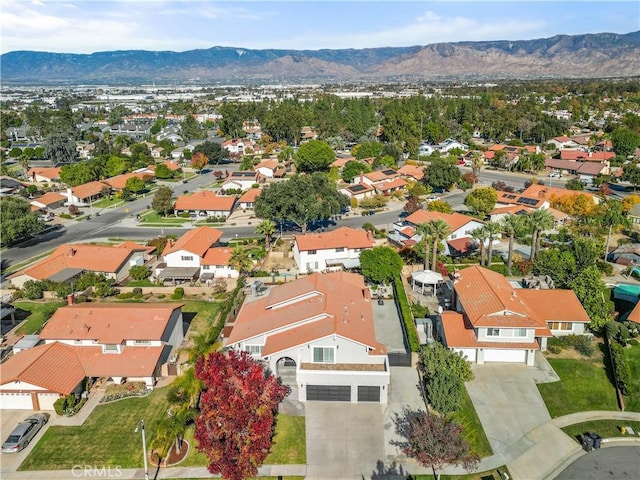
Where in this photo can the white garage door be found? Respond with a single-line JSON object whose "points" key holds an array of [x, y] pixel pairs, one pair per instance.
{"points": [[513, 356], [46, 400], [16, 401]]}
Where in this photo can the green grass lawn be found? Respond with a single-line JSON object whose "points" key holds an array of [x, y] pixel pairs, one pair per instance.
{"points": [[107, 202], [39, 312], [289, 444], [141, 283], [473, 432], [632, 401], [584, 385], [604, 428], [106, 438], [205, 313], [155, 217]]}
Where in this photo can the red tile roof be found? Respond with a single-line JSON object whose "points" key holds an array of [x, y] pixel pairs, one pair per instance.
{"points": [[50, 198], [90, 189], [217, 256], [55, 367], [131, 362], [206, 200], [120, 181], [454, 220], [47, 172], [197, 241], [412, 171], [250, 195], [459, 333], [462, 245], [634, 316], [318, 304], [586, 156], [549, 193], [555, 305], [109, 323], [343, 237], [93, 258], [395, 183]]}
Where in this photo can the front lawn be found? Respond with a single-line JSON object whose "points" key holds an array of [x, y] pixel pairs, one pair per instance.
{"points": [[289, 447], [107, 437], [156, 218], [37, 314], [632, 400], [583, 386], [495, 474], [604, 428], [201, 314], [473, 432]]}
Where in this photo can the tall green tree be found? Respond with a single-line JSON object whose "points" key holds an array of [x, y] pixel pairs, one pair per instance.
{"points": [[266, 228], [162, 200], [439, 230], [240, 260], [441, 174], [314, 156], [424, 230], [214, 152], [539, 221], [380, 264], [594, 296], [481, 201], [60, 149], [612, 216], [352, 169], [625, 141], [480, 236], [190, 129], [18, 221], [511, 225], [301, 199], [493, 229]]}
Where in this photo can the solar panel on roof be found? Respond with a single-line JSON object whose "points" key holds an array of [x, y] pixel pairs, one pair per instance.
{"points": [[528, 201], [357, 188], [389, 172]]}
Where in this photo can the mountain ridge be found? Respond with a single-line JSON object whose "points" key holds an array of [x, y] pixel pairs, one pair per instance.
{"points": [[561, 56]]}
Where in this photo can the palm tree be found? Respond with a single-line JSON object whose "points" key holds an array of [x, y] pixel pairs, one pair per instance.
{"points": [[439, 231], [424, 230], [612, 217], [511, 224], [539, 220], [492, 229], [477, 161], [480, 236], [266, 228], [240, 260]]}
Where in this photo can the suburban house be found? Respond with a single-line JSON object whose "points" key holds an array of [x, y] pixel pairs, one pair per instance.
{"points": [[358, 191], [458, 242], [49, 201], [269, 168], [377, 176], [562, 142], [240, 180], [319, 328], [87, 341], [239, 146], [634, 214], [444, 147], [626, 254], [540, 196], [44, 174], [411, 172], [73, 259], [184, 259], [339, 248], [118, 182], [586, 171], [10, 186], [84, 194], [582, 156], [205, 203], [495, 322], [248, 199]]}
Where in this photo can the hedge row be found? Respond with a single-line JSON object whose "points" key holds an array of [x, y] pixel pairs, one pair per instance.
{"points": [[407, 315], [621, 368]]}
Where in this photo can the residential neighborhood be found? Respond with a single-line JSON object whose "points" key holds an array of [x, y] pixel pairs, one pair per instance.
{"points": [[196, 268]]}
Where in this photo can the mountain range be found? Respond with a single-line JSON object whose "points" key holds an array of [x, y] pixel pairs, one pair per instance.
{"points": [[600, 55]]}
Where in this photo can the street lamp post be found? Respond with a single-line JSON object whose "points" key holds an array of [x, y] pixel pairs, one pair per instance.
{"points": [[144, 449]]}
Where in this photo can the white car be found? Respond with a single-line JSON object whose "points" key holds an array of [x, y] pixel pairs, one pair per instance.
{"points": [[555, 175]]}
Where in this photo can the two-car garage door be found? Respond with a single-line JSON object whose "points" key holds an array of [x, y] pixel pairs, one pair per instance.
{"points": [[342, 393], [499, 355]]}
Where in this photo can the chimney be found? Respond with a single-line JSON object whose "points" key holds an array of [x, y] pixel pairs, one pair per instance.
{"points": [[361, 177], [71, 299]]}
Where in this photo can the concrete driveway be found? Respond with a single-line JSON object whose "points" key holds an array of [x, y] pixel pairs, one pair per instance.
{"points": [[344, 440], [9, 462], [508, 403]]}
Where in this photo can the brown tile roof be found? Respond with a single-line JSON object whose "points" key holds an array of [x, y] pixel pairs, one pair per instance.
{"points": [[454, 220], [217, 256], [555, 305], [412, 171], [341, 161], [338, 302], [55, 367], [459, 333], [462, 245], [50, 198], [93, 258], [634, 316], [131, 362], [47, 172], [271, 164], [489, 300], [109, 323], [511, 209], [512, 198], [380, 175], [136, 247], [205, 200], [395, 183], [343, 237], [90, 189], [250, 195], [549, 193], [120, 181], [586, 156], [197, 241]]}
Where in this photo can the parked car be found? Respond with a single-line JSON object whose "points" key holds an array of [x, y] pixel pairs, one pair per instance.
{"points": [[24, 432], [555, 175]]}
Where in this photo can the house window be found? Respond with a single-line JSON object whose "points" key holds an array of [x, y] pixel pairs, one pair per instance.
{"points": [[519, 332], [111, 348], [561, 326], [453, 236], [312, 252], [78, 342], [341, 249], [254, 349], [186, 258], [142, 342], [205, 267], [323, 355], [493, 332]]}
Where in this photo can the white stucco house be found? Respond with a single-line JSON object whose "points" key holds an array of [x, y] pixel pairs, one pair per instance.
{"points": [[86, 341], [320, 329], [335, 249], [496, 322]]}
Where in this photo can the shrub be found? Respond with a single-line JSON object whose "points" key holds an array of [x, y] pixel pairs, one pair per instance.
{"points": [[419, 311], [407, 316], [161, 296], [125, 296], [59, 404], [260, 273], [139, 272], [621, 368], [554, 349], [604, 267], [633, 342], [66, 216], [137, 291], [178, 293]]}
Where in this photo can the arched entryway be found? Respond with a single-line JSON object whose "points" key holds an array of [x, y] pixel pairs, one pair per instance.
{"points": [[286, 370]]}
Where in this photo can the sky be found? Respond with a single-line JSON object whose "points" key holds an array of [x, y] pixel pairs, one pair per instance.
{"points": [[94, 26]]}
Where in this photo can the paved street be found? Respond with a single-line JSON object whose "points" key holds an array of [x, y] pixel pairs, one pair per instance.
{"points": [[607, 463]]}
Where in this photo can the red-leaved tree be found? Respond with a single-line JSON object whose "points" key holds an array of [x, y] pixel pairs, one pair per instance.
{"points": [[433, 440], [237, 413], [199, 160]]}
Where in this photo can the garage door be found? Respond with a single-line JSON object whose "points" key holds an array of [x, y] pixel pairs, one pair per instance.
{"points": [[16, 401], [368, 394], [329, 393], [513, 356], [46, 400]]}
